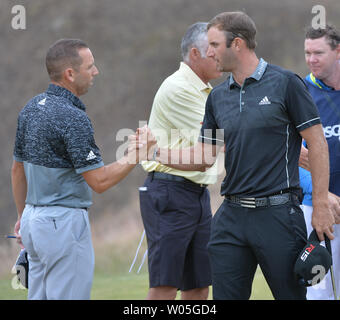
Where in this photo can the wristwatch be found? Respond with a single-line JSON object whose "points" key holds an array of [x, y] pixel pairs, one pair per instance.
{"points": [[155, 154]]}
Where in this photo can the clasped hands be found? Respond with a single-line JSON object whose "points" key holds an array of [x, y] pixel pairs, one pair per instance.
{"points": [[141, 145]]}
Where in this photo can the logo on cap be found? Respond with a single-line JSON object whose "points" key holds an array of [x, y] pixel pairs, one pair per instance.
{"points": [[306, 253]]}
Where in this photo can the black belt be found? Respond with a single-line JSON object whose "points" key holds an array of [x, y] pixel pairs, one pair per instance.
{"points": [[273, 200], [171, 177]]}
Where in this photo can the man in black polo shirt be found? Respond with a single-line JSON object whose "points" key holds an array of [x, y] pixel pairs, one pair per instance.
{"points": [[264, 110]]}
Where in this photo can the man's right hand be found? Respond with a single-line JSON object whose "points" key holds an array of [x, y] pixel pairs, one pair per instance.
{"points": [[322, 221], [149, 141]]}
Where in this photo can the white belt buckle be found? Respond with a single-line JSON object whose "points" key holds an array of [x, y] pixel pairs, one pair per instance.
{"points": [[248, 202]]}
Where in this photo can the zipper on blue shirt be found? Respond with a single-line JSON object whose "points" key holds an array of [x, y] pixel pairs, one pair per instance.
{"points": [[241, 92]]}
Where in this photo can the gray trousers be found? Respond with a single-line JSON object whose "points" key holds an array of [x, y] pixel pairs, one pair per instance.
{"points": [[60, 252]]}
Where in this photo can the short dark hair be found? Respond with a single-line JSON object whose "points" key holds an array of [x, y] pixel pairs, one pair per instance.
{"points": [[63, 54], [235, 24], [330, 32]]}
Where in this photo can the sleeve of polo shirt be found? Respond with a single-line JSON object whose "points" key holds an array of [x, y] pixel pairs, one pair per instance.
{"points": [[210, 132], [301, 107], [81, 146]]}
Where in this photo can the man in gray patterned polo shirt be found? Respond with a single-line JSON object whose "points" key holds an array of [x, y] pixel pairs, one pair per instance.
{"points": [[56, 164]]}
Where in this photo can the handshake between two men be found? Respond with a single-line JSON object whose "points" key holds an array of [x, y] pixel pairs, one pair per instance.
{"points": [[143, 146]]}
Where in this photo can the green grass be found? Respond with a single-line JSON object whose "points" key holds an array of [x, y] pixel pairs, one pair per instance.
{"points": [[119, 287], [7, 292], [124, 286]]}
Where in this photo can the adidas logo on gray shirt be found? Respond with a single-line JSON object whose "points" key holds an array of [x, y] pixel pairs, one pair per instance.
{"points": [[91, 156]]}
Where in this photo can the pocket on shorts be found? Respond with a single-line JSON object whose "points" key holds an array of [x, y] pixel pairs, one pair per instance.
{"points": [[153, 199], [80, 224], [152, 202], [50, 228]]}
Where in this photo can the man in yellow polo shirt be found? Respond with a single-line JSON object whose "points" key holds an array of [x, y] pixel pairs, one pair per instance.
{"points": [[175, 204]]}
